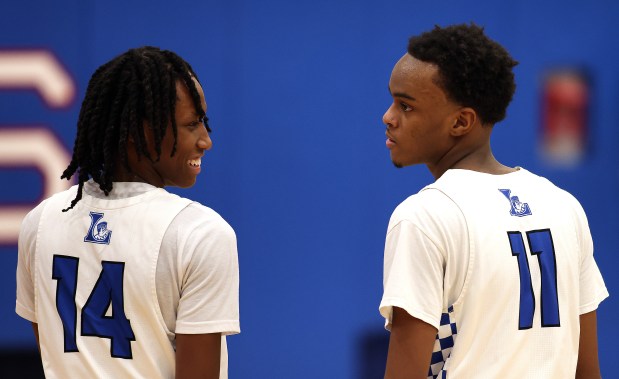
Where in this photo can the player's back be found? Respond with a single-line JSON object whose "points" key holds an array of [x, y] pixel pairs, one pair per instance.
{"points": [[96, 301], [517, 311]]}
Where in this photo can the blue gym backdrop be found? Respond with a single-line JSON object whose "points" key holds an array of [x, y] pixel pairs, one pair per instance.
{"points": [[296, 91]]}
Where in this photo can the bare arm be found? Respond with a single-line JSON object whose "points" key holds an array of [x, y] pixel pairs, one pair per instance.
{"points": [[198, 355], [410, 347], [588, 364]]}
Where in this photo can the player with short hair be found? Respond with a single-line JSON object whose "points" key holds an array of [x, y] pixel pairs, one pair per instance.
{"points": [[489, 271], [120, 278]]}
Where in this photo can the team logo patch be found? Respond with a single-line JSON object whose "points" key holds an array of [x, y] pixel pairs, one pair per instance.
{"points": [[98, 231], [518, 208]]}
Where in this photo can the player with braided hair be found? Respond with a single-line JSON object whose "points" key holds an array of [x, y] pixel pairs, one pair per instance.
{"points": [[137, 86], [489, 271], [119, 277]]}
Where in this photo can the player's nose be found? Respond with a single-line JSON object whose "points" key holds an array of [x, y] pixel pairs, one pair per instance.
{"points": [[204, 141], [388, 117]]}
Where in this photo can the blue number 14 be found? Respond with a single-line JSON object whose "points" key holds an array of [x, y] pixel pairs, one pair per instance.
{"points": [[107, 291], [541, 245]]}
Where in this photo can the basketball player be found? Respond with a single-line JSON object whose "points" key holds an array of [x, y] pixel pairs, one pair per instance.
{"points": [[489, 271], [120, 278]]}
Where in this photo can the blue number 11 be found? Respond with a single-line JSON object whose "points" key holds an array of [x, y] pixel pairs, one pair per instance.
{"points": [[541, 245]]}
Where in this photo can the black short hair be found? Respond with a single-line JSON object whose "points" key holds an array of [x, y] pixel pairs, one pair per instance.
{"points": [[474, 70], [135, 87]]}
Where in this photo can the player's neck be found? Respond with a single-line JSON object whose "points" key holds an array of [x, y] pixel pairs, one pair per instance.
{"points": [[478, 159]]}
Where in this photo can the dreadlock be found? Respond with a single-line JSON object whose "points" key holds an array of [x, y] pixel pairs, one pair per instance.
{"points": [[136, 86]]}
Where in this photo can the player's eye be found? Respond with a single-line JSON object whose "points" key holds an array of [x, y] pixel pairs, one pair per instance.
{"points": [[405, 107]]}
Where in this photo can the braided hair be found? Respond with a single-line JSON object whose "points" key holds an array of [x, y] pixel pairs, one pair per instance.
{"points": [[135, 87]]}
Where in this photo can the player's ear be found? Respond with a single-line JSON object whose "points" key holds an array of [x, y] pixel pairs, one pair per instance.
{"points": [[464, 120]]}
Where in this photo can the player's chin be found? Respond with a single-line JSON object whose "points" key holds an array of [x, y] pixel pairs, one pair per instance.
{"points": [[402, 160], [189, 183], [397, 162], [185, 182]]}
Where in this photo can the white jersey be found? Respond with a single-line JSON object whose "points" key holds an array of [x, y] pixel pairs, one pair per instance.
{"points": [[91, 278], [502, 266]]}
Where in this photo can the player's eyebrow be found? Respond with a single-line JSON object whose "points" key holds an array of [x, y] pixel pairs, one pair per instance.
{"points": [[401, 94]]}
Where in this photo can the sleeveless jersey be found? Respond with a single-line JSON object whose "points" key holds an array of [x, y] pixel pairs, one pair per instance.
{"points": [[95, 294], [509, 271]]}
